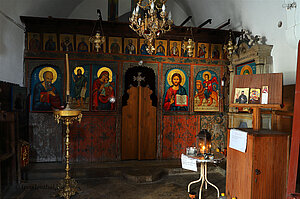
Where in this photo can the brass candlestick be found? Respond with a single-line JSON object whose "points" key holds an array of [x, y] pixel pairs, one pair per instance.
{"points": [[68, 186]]}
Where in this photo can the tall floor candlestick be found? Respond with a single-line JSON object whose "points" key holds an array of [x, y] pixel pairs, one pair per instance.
{"points": [[68, 186]]}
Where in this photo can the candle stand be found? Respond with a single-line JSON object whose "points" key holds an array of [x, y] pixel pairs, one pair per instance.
{"points": [[68, 186]]}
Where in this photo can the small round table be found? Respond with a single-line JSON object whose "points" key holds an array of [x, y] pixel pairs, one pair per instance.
{"points": [[203, 175]]}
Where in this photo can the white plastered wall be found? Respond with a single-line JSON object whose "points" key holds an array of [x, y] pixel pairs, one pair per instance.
{"points": [[259, 16]]}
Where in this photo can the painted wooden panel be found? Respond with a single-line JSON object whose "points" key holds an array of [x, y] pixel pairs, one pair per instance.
{"points": [[130, 127], [94, 139], [139, 125], [180, 131], [147, 115], [45, 138]]}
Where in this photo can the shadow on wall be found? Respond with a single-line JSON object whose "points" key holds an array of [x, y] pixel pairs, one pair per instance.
{"points": [[2, 44]]}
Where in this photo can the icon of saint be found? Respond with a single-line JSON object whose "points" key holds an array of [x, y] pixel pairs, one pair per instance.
{"points": [[173, 90], [103, 93], [46, 96]]}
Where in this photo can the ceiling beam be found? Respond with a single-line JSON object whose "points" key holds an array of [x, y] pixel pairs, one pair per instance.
{"points": [[186, 20], [225, 24], [205, 22]]}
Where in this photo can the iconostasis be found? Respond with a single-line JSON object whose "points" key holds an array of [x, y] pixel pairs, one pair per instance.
{"points": [[187, 91]]}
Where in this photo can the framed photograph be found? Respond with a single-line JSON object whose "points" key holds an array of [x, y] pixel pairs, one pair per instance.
{"points": [[82, 43], [50, 42], [130, 46], [203, 49], [115, 45], [264, 94], [66, 42], [248, 68], [34, 41], [160, 47], [216, 51], [254, 96], [241, 96], [175, 47]]}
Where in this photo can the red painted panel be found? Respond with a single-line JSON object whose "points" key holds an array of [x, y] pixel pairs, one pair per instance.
{"points": [[167, 138], [94, 139], [104, 139], [179, 132]]}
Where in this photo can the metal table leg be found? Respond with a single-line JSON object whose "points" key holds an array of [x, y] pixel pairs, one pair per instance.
{"points": [[203, 180]]}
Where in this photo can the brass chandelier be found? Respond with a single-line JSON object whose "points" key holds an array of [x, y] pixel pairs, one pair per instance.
{"points": [[150, 20]]}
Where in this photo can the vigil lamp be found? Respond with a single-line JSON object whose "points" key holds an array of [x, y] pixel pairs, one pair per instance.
{"points": [[203, 143]]}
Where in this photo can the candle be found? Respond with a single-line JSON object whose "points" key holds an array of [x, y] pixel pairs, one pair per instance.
{"points": [[68, 75], [163, 8], [152, 5]]}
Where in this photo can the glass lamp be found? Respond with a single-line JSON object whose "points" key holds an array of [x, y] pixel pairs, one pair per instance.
{"points": [[203, 143]]}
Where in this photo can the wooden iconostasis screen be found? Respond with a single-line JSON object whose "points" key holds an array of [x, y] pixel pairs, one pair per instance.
{"points": [[185, 91]]}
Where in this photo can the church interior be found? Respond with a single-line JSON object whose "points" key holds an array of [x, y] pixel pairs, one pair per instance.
{"points": [[149, 99]]}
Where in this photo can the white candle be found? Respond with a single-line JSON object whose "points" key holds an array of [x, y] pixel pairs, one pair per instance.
{"points": [[68, 75], [137, 9], [152, 5], [163, 8], [170, 16]]}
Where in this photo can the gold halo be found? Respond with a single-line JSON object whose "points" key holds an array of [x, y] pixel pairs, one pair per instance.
{"points": [[169, 78], [79, 67], [105, 69], [208, 73], [247, 67], [41, 74]]}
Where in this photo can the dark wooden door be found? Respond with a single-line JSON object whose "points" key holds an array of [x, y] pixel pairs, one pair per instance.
{"points": [[139, 125]]}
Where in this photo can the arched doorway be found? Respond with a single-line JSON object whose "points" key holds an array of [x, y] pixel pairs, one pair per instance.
{"points": [[139, 114]]}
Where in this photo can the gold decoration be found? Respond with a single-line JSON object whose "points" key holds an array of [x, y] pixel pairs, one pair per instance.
{"points": [[98, 40], [68, 186], [206, 73], [169, 78], [230, 47], [153, 24], [105, 69], [79, 67], [41, 73], [189, 47], [247, 67]]}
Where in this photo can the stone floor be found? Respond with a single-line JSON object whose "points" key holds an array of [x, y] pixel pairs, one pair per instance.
{"points": [[130, 180]]}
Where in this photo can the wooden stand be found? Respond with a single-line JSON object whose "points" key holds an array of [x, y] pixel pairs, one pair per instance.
{"points": [[261, 171], [256, 115], [274, 83]]}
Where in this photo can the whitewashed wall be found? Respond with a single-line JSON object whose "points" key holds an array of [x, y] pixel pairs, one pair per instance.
{"points": [[12, 37], [259, 16]]}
